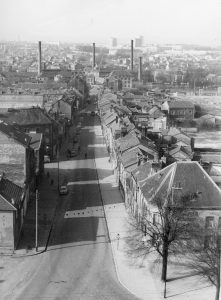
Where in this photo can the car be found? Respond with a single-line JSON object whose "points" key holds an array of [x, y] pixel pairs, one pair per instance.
{"points": [[47, 159], [74, 152], [63, 190]]}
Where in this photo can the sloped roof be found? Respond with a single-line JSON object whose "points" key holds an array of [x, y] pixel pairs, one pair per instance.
{"points": [[188, 178], [142, 172], [10, 195], [121, 73], [110, 119], [181, 104], [129, 158], [28, 117], [182, 149], [12, 132], [183, 138], [127, 142]]}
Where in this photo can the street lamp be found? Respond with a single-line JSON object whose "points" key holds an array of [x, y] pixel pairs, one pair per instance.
{"points": [[36, 219], [58, 165]]}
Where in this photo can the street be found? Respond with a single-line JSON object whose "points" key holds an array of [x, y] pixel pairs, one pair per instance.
{"points": [[78, 263]]}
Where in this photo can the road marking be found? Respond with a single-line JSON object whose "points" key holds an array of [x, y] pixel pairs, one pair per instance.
{"points": [[84, 213], [83, 182]]}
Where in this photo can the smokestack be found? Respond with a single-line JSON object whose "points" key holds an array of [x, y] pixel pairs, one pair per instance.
{"points": [[132, 56], [93, 64], [39, 58], [140, 69]]}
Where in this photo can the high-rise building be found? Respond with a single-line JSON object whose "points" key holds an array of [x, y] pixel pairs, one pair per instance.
{"points": [[113, 42], [139, 42]]}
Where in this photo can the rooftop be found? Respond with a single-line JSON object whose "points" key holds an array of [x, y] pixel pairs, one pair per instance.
{"points": [[12, 132], [188, 179]]}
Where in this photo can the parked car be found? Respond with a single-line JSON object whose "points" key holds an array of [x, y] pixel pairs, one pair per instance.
{"points": [[63, 190], [74, 152], [47, 159]]}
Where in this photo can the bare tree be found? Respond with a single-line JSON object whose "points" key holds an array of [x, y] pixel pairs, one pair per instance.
{"points": [[163, 231], [204, 253]]}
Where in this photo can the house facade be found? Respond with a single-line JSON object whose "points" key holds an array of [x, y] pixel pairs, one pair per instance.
{"points": [[11, 214]]}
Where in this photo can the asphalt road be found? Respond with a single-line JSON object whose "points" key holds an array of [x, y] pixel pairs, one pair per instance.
{"points": [[78, 263]]}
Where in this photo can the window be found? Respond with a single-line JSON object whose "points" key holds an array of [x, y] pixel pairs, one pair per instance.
{"points": [[209, 222], [209, 241], [219, 223], [155, 218]]}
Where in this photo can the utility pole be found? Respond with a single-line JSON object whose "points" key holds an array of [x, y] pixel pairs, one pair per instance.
{"points": [[36, 219]]}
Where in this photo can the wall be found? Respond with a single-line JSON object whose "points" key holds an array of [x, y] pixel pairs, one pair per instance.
{"points": [[6, 230], [12, 159]]}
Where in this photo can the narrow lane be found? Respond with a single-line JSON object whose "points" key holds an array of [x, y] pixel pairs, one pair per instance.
{"points": [[79, 262]]}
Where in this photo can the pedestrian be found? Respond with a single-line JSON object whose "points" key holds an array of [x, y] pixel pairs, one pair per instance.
{"points": [[85, 155], [48, 175], [52, 181]]}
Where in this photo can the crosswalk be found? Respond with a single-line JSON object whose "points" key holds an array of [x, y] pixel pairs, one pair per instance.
{"points": [[85, 213]]}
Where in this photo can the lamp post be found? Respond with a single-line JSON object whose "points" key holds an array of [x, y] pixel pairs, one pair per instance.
{"points": [[36, 219], [58, 166]]}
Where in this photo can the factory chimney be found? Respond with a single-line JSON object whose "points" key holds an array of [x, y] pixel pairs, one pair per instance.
{"points": [[140, 69], [93, 64], [132, 56], [39, 58]]}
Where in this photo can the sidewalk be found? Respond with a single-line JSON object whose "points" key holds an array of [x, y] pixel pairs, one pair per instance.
{"points": [[138, 275]]}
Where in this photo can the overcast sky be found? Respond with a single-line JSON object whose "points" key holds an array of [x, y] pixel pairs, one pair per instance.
{"points": [[159, 21]]}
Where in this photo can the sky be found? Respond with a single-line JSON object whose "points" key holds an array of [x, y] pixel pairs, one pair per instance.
{"points": [[87, 21]]}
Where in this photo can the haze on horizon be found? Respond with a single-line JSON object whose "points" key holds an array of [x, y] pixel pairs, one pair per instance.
{"points": [[86, 21]]}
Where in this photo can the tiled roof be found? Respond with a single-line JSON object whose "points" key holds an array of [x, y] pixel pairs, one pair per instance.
{"points": [[28, 116], [129, 158], [188, 179], [182, 149], [181, 104], [183, 138], [110, 119], [121, 73], [142, 172], [12, 132], [10, 195], [127, 142]]}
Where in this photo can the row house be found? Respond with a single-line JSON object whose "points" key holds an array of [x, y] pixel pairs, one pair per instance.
{"points": [[131, 149], [17, 159], [12, 201], [180, 179], [35, 120]]}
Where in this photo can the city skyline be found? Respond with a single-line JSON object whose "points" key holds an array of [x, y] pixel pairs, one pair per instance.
{"points": [[160, 21]]}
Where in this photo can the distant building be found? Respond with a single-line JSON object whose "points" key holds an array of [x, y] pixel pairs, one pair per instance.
{"points": [[113, 42]]}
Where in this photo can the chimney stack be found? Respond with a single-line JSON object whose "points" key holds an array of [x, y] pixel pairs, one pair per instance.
{"points": [[93, 64], [132, 56], [140, 69], [39, 58]]}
